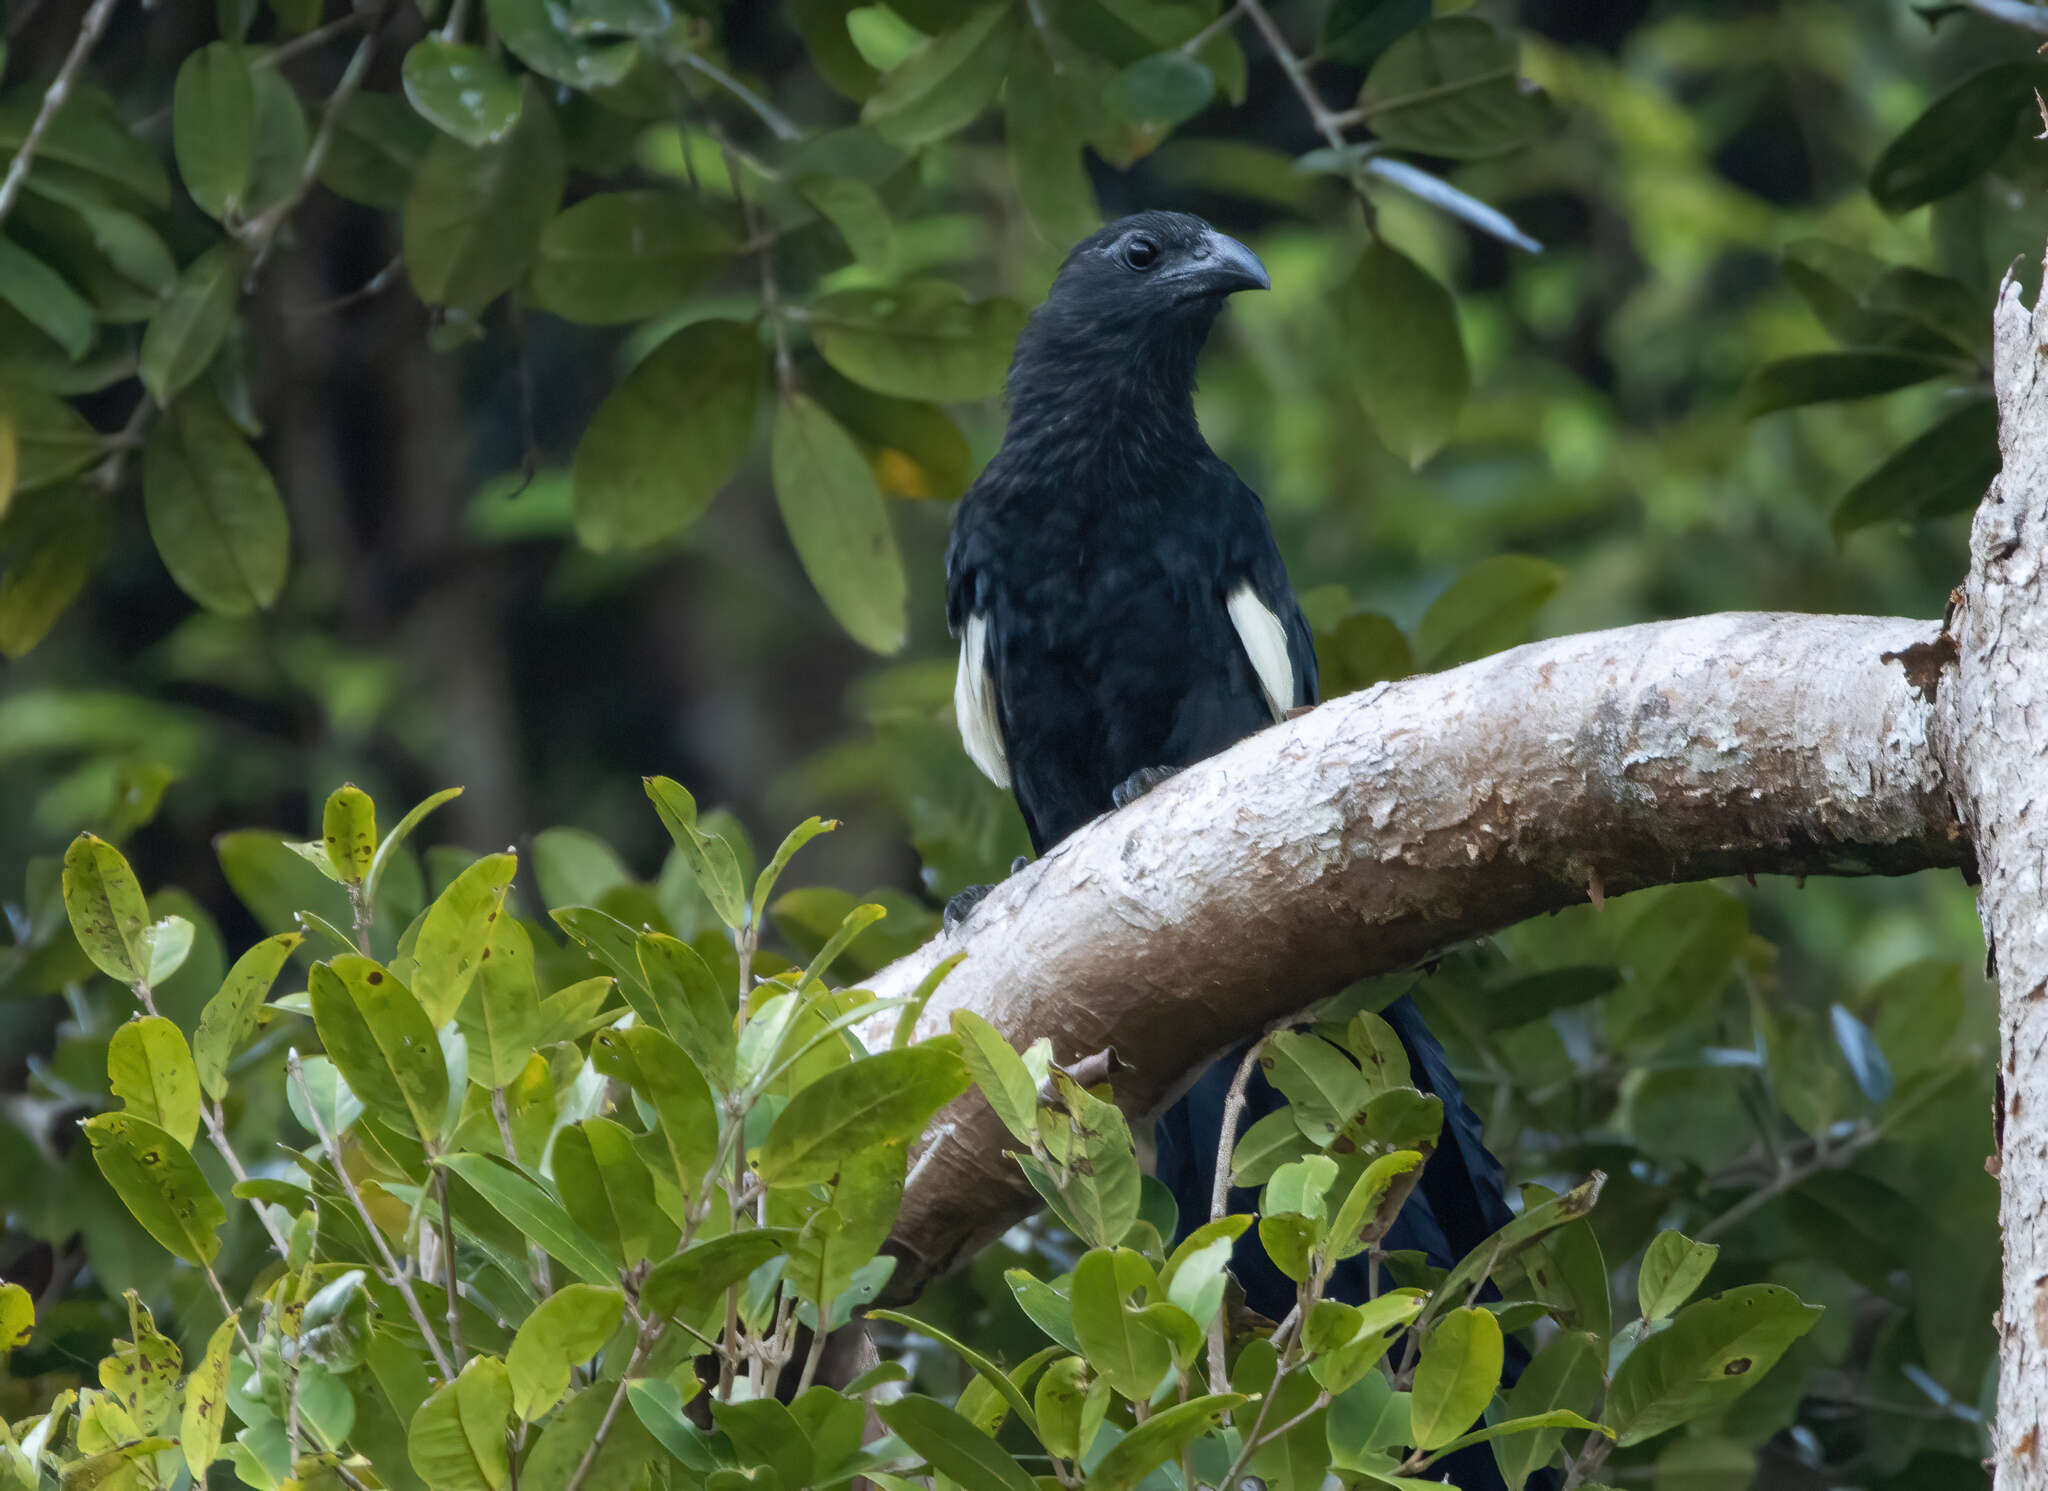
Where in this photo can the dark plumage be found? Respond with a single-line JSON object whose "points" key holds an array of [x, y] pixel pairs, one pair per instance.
{"points": [[1122, 606]]}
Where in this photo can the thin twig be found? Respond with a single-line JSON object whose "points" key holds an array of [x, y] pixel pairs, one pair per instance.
{"points": [[1790, 1178], [1318, 112], [458, 12], [1219, 1195], [216, 1130], [650, 1332], [812, 1357], [89, 30], [781, 124], [399, 1279], [313, 40], [448, 1281], [1222, 23]]}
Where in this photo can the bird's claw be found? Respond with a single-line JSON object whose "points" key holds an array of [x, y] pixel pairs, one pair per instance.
{"points": [[961, 906], [1138, 783]]}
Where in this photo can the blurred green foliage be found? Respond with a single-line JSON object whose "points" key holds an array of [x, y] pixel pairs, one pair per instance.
{"points": [[545, 395]]}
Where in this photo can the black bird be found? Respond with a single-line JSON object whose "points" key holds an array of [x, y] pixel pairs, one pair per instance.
{"points": [[1123, 612]]}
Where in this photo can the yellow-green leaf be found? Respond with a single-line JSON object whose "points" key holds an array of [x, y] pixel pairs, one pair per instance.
{"points": [[381, 1040], [105, 903], [457, 932], [206, 1401], [835, 517], [232, 1012], [157, 1180], [213, 510], [150, 1070], [568, 1328]]}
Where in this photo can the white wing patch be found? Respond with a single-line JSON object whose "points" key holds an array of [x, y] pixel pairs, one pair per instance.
{"points": [[974, 704], [1265, 643]]}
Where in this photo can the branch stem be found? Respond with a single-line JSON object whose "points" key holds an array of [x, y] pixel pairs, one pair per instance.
{"points": [[89, 29]]}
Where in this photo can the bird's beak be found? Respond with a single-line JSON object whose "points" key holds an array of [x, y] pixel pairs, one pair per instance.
{"points": [[1223, 266]]}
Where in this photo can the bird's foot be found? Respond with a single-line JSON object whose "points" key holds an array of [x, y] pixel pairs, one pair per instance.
{"points": [[1138, 783], [961, 906]]}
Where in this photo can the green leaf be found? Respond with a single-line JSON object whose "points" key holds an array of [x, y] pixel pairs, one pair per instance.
{"points": [[84, 133], [150, 1071], [941, 87], [686, 1116], [394, 840], [462, 91], [500, 1015], [1400, 331], [1347, 1341], [1486, 609], [206, 1401], [1712, 1353], [1319, 1082], [104, 901], [1943, 470], [987, 1370], [1046, 127], [1456, 1376], [1507, 1244], [52, 440], [669, 437], [1159, 1439], [348, 830], [1825, 377], [45, 298], [856, 212], [17, 1318], [1957, 139], [457, 1438], [382, 1042], [686, 999], [51, 540], [920, 340], [213, 511], [1271, 1142], [282, 140], [568, 1328], [1449, 88], [1119, 1349], [1557, 1418], [1194, 1276], [1165, 89], [884, 1099], [474, 218], [457, 932], [533, 1212], [914, 449], [608, 1191], [1000, 1073], [1566, 1373], [834, 514], [157, 1180], [795, 839], [690, 1282], [1103, 1191], [951, 1445], [530, 32], [625, 256], [1361, 649], [213, 127], [1365, 1215], [1357, 32], [568, 1436], [1868, 304], [1673, 1267], [374, 151], [1049, 1310]]}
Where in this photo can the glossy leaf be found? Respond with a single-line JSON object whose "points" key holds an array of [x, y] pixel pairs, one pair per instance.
{"points": [[884, 1099], [1456, 1376], [457, 933], [835, 518], [1159, 1439], [457, 1438], [1673, 1267], [625, 256], [348, 831], [1450, 88], [568, 1328], [474, 218], [685, 999], [1400, 331], [1119, 1349], [462, 90], [1321, 1085], [608, 1192], [206, 1401], [1713, 1352], [213, 127], [536, 1214], [530, 32], [151, 1072], [1000, 1074], [214, 512], [382, 1041], [1943, 470], [108, 914], [157, 1180], [951, 1445], [690, 1282], [920, 340], [669, 437]]}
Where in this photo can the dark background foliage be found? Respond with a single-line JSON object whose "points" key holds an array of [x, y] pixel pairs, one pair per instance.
{"points": [[1738, 1059]]}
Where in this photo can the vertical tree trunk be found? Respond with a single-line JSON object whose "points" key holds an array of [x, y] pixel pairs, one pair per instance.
{"points": [[1996, 709]]}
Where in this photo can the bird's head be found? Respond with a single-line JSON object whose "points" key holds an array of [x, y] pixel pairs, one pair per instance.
{"points": [[1127, 316]]}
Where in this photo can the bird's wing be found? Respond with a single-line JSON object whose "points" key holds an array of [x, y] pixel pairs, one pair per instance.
{"points": [[975, 684], [1263, 610]]}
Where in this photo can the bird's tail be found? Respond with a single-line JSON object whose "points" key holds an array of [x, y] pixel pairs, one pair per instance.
{"points": [[1461, 1201]]}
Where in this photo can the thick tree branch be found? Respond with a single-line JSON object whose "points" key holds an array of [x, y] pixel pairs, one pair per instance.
{"points": [[1389, 825], [1994, 734]]}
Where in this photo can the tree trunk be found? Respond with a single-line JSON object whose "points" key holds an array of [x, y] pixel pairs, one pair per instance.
{"points": [[1995, 740]]}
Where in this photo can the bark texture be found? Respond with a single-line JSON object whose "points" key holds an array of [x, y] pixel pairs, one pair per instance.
{"points": [[1995, 736], [1389, 825]]}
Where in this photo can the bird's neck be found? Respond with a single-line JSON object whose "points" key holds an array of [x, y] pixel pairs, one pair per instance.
{"points": [[1073, 407]]}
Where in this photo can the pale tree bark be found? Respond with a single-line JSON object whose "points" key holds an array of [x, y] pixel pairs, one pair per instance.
{"points": [[1994, 737]]}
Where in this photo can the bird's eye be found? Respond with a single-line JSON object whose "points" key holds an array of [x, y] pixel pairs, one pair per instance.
{"points": [[1141, 253]]}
